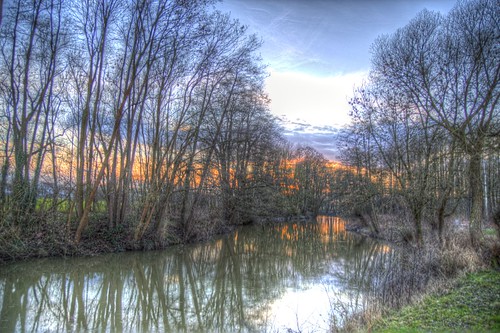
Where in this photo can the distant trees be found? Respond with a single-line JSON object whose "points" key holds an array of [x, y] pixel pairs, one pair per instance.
{"points": [[431, 105], [311, 179]]}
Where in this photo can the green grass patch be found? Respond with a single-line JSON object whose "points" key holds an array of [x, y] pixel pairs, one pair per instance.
{"points": [[473, 305], [489, 231], [44, 204], [63, 205]]}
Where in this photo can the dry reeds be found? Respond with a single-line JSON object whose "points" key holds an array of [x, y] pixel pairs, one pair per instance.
{"points": [[408, 274]]}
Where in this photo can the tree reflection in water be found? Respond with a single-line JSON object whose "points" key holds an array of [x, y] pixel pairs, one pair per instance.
{"points": [[252, 280]]}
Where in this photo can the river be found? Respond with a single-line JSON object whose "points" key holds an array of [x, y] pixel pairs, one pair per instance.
{"points": [[285, 277]]}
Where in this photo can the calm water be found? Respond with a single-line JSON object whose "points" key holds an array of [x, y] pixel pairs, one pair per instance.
{"points": [[259, 279]]}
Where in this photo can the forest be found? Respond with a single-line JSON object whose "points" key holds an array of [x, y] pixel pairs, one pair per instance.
{"points": [[131, 125], [138, 124]]}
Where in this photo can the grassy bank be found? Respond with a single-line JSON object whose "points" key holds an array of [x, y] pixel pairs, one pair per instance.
{"points": [[471, 305], [453, 287]]}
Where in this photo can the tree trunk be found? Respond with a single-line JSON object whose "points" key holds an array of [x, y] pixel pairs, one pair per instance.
{"points": [[476, 196]]}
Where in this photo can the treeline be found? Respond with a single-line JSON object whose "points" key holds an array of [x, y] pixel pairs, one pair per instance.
{"points": [[425, 135], [140, 120]]}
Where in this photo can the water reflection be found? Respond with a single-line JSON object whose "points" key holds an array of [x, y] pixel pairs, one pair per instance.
{"points": [[257, 279]]}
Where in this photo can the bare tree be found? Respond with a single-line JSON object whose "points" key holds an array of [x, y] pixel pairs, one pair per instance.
{"points": [[94, 21], [31, 50], [140, 32], [449, 68], [405, 142], [142, 115]]}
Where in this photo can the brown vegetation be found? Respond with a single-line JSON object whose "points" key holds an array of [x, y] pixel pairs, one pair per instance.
{"points": [[411, 272]]}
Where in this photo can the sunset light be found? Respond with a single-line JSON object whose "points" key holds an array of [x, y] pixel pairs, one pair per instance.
{"points": [[249, 165]]}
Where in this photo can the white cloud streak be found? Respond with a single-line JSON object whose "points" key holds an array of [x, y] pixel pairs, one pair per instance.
{"points": [[315, 100]]}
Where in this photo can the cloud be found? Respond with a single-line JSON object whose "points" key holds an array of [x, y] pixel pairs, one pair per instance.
{"points": [[325, 36], [321, 138], [325, 143], [317, 51], [318, 101]]}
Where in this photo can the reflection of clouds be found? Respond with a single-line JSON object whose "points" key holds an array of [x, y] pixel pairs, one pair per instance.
{"points": [[303, 310]]}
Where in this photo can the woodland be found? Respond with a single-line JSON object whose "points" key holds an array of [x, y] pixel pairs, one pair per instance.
{"points": [[130, 125]]}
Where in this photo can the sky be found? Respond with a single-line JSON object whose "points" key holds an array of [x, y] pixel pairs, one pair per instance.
{"points": [[317, 51]]}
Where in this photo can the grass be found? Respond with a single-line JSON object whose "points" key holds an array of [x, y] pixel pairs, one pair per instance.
{"points": [[63, 205], [489, 232], [473, 305]]}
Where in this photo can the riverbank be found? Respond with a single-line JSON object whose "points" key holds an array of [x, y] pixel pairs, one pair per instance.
{"points": [[450, 287], [470, 304], [54, 239]]}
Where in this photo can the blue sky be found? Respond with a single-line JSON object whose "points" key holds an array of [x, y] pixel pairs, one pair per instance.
{"points": [[316, 52]]}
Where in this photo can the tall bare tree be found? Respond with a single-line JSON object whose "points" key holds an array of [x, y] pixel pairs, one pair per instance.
{"points": [[31, 50], [449, 67], [140, 114]]}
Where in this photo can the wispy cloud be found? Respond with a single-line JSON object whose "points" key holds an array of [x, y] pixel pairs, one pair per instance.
{"points": [[325, 143], [321, 138], [325, 37], [317, 51]]}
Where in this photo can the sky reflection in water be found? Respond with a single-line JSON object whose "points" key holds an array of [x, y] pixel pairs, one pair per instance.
{"points": [[258, 279]]}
